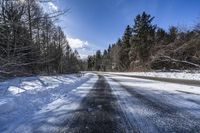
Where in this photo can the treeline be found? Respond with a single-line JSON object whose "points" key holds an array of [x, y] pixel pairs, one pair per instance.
{"points": [[31, 42], [144, 47]]}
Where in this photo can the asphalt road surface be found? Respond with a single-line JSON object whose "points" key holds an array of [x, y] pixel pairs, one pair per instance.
{"points": [[119, 104]]}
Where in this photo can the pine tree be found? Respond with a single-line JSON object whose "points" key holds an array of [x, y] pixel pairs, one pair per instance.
{"points": [[160, 35], [98, 60], [125, 49], [173, 33], [144, 35], [90, 63], [127, 36]]}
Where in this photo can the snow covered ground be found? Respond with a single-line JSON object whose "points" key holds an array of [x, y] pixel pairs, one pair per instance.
{"points": [[41, 103], [49, 104], [175, 75]]}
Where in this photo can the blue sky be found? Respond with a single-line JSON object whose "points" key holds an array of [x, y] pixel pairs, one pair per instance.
{"points": [[94, 24]]}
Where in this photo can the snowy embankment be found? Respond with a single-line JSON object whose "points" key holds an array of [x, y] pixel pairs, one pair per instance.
{"points": [[172, 75], [27, 103]]}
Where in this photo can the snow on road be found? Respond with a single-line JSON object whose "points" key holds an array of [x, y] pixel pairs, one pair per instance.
{"points": [[41, 103], [98, 113], [51, 103], [153, 106]]}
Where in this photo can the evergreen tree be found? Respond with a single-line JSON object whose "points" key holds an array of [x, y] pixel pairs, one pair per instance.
{"points": [[98, 60], [90, 63], [125, 49], [144, 35], [160, 35], [173, 33]]}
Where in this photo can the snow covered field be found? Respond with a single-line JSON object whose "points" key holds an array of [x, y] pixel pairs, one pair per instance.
{"points": [[175, 75], [28, 103]]}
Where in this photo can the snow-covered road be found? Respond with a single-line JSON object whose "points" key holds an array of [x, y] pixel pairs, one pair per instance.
{"points": [[102, 103], [153, 106]]}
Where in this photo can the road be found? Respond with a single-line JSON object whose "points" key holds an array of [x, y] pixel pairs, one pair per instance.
{"points": [[119, 104], [108, 103]]}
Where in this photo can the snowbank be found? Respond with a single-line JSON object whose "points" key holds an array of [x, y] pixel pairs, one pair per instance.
{"points": [[175, 75], [20, 98]]}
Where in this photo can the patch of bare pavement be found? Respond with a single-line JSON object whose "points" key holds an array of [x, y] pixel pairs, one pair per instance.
{"points": [[98, 112]]}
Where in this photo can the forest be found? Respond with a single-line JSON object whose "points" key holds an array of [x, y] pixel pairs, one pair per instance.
{"points": [[146, 47], [31, 42]]}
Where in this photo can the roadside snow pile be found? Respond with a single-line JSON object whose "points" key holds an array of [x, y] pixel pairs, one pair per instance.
{"points": [[22, 97], [175, 75]]}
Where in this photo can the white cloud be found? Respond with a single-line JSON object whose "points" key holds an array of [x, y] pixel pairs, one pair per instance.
{"points": [[76, 43], [49, 7], [83, 47], [84, 53], [52, 6]]}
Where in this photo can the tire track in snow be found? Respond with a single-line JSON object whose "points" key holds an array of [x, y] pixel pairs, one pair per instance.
{"points": [[133, 110], [166, 118], [98, 112]]}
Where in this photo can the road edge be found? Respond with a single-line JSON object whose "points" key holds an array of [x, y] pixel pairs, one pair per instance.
{"points": [[169, 80]]}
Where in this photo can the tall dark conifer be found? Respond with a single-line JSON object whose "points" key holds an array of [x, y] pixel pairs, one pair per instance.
{"points": [[144, 35], [125, 49]]}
